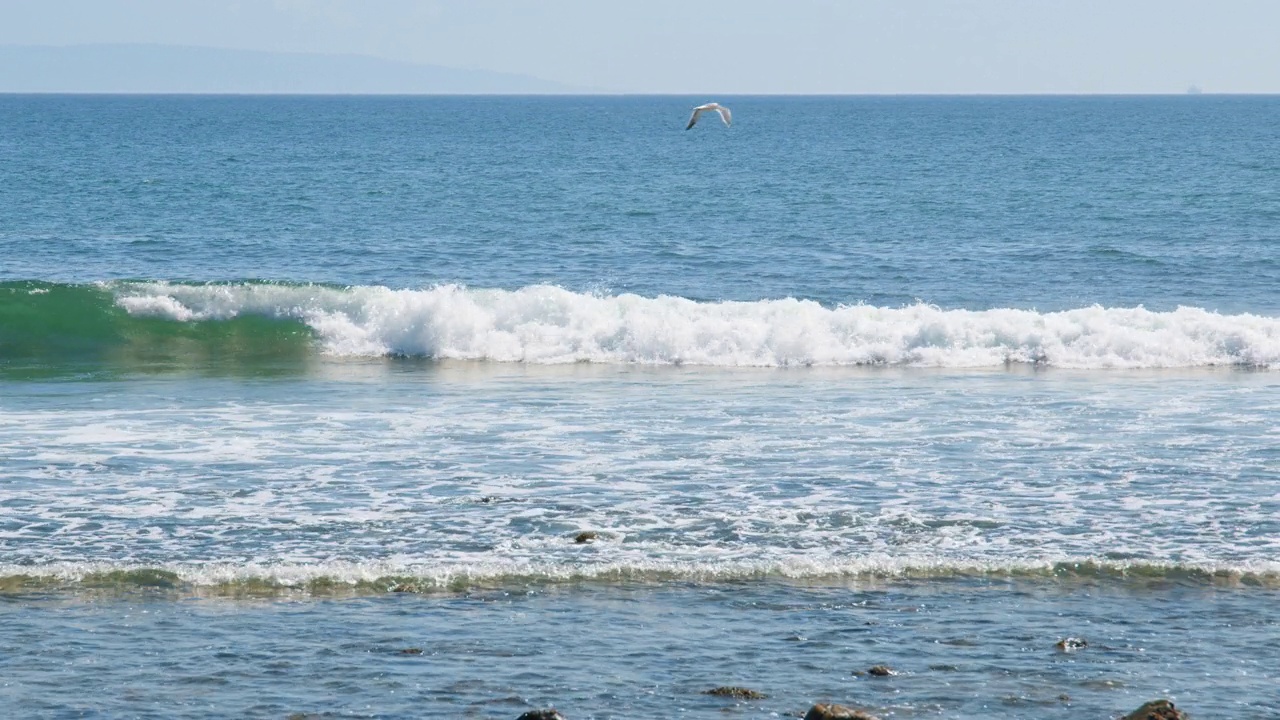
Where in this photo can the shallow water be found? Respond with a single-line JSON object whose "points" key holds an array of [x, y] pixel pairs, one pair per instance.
{"points": [[961, 648], [290, 385]]}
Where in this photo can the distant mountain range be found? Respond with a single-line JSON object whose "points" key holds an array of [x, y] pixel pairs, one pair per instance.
{"points": [[181, 69]]}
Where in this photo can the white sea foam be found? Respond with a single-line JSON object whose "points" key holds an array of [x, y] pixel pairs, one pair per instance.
{"points": [[546, 325], [453, 482], [392, 575], [157, 306]]}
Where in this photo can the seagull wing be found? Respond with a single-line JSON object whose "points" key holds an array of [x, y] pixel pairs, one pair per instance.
{"points": [[725, 115], [693, 119]]}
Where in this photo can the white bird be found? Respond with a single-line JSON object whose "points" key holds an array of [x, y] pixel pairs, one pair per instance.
{"points": [[725, 115]]}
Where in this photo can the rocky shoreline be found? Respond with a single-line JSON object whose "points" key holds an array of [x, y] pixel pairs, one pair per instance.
{"points": [[1159, 709], [1154, 710]]}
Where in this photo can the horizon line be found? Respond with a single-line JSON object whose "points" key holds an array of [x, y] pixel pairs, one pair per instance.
{"points": [[604, 93]]}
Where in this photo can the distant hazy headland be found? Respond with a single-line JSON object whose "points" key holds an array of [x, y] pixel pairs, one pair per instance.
{"points": [[179, 69]]}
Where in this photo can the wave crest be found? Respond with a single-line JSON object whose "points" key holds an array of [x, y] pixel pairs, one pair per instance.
{"points": [[548, 325]]}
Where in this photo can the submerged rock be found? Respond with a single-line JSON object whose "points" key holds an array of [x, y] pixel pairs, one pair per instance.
{"points": [[585, 537], [740, 693], [832, 711], [1070, 644], [1157, 710], [544, 714]]}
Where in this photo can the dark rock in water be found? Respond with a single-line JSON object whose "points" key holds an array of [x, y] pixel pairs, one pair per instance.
{"points": [[496, 500], [881, 671], [1069, 644], [544, 714], [411, 651], [740, 693], [1157, 710], [585, 537], [837, 712]]}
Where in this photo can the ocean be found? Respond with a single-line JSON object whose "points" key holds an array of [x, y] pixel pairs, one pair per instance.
{"points": [[410, 407]]}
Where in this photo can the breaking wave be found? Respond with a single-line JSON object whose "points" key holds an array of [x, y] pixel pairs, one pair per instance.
{"points": [[550, 325]]}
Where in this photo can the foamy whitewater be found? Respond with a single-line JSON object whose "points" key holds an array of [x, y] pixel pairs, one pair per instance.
{"points": [[546, 325], [460, 407]]}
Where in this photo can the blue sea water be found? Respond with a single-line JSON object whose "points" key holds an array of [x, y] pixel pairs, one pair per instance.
{"points": [[291, 385]]}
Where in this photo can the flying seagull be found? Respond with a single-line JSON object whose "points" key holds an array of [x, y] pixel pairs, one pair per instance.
{"points": [[725, 115]]}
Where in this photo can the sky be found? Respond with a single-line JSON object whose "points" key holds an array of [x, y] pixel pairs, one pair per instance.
{"points": [[729, 46]]}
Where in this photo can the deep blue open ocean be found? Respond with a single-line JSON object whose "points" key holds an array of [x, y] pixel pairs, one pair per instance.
{"points": [[360, 407]]}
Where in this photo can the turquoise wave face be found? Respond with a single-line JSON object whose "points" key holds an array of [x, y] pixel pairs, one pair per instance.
{"points": [[58, 329]]}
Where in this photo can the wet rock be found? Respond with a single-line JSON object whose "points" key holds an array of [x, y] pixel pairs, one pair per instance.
{"points": [[739, 693], [544, 714], [583, 538], [411, 651], [1071, 644], [832, 711], [1157, 710]]}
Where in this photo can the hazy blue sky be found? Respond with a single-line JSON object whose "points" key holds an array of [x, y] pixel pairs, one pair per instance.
{"points": [[729, 46]]}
